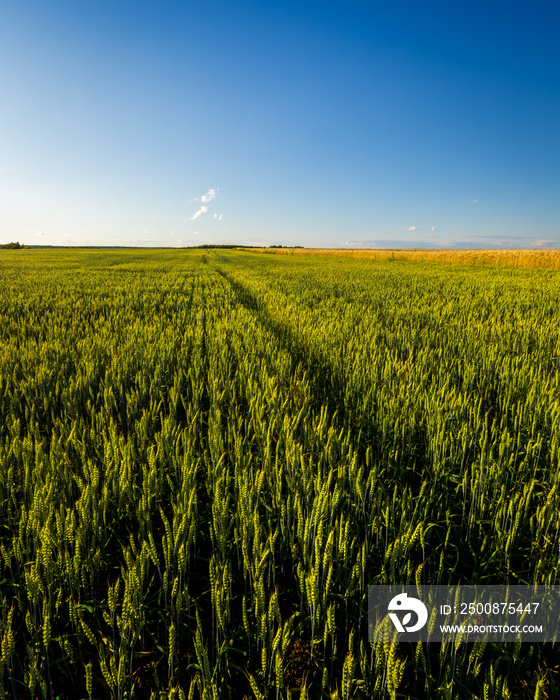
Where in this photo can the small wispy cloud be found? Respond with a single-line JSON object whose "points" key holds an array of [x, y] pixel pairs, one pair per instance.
{"points": [[474, 201], [200, 212], [218, 217], [434, 228], [209, 196], [196, 233], [410, 228], [545, 243]]}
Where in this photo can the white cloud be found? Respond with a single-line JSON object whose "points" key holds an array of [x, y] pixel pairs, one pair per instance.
{"points": [[410, 228], [434, 228], [200, 212], [196, 233], [475, 201], [218, 217], [209, 196]]}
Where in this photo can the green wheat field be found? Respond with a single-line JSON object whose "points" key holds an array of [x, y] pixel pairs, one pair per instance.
{"points": [[207, 456]]}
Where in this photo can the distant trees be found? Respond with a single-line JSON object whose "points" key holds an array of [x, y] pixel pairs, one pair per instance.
{"points": [[237, 246], [12, 246], [219, 245]]}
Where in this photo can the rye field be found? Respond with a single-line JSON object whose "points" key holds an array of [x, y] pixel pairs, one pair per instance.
{"points": [[207, 456]]}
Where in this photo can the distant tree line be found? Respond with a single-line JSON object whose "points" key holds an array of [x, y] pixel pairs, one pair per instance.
{"points": [[231, 245], [221, 245], [12, 246]]}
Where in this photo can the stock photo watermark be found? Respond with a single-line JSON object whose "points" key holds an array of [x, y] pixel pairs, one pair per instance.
{"points": [[465, 613]]}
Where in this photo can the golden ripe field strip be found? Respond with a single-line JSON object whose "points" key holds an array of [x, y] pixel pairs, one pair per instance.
{"points": [[531, 258]]}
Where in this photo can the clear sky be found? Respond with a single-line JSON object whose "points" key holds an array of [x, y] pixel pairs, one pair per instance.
{"points": [[390, 124]]}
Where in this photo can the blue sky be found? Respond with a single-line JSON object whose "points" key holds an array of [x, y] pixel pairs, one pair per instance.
{"points": [[323, 124]]}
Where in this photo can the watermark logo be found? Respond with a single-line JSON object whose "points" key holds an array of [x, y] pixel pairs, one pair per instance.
{"points": [[463, 613], [402, 603]]}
